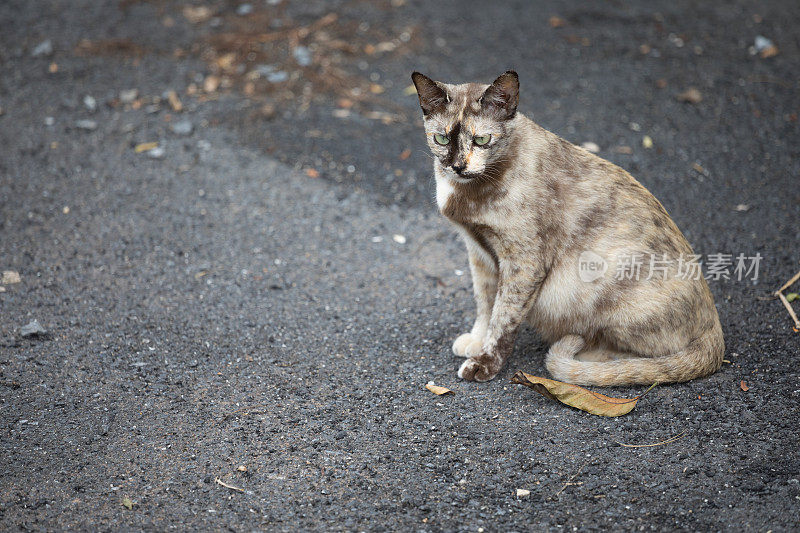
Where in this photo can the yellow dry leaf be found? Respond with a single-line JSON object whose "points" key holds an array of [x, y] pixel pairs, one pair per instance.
{"points": [[437, 390], [174, 101], [770, 51], [197, 14], [145, 147], [691, 95], [211, 83], [575, 396]]}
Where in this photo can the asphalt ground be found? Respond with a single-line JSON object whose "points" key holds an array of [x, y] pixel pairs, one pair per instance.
{"points": [[240, 309]]}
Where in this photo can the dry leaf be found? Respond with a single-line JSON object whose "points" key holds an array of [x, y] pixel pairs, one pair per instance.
{"points": [[174, 101], [127, 503], [197, 14], [691, 95], [744, 386], [145, 147], [211, 83], [437, 390], [523, 493], [578, 397], [770, 51]]}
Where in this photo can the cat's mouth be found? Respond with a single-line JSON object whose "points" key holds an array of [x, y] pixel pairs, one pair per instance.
{"points": [[463, 178]]}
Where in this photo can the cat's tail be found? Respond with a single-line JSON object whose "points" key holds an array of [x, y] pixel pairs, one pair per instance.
{"points": [[701, 357]]}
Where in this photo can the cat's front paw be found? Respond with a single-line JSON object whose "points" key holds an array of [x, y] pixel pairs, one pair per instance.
{"points": [[481, 368], [468, 345]]}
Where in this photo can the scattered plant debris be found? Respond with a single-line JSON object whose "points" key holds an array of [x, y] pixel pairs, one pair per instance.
{"points": [[437, 390], [785, 300], [218, 481]]}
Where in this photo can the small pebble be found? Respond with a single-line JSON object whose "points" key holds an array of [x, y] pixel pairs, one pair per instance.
{"points": [[49, 121], [244, 9], [44, 48], [156, 153], [88, 125], [264, 70], [302, 55], [32, 329], [128, 96], [591, 147], [278, 76], [183, 127], [761, 43], [90, 103], [400, 239]]}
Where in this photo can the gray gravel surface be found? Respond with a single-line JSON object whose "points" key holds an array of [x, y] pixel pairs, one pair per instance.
{"points": [[217, 314]]}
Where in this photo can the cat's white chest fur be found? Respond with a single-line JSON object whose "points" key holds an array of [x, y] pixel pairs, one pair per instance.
{"points": [[444, 189]]}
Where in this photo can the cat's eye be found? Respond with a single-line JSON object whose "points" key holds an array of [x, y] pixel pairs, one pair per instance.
{"points": [[482, 140], [441, 139]]}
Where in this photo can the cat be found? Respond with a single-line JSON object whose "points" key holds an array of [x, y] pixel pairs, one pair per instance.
{"points": [[552, 233]]}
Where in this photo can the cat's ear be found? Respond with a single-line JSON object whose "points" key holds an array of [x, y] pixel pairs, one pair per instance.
{"points": [[431, 96], [502, 96]]}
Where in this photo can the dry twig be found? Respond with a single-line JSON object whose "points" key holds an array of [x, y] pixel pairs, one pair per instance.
{"points": [[786, 304], [218, 481], [569, 481]]}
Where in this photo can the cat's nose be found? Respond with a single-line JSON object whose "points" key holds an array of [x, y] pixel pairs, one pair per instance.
{"points": [[458, 168]]}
